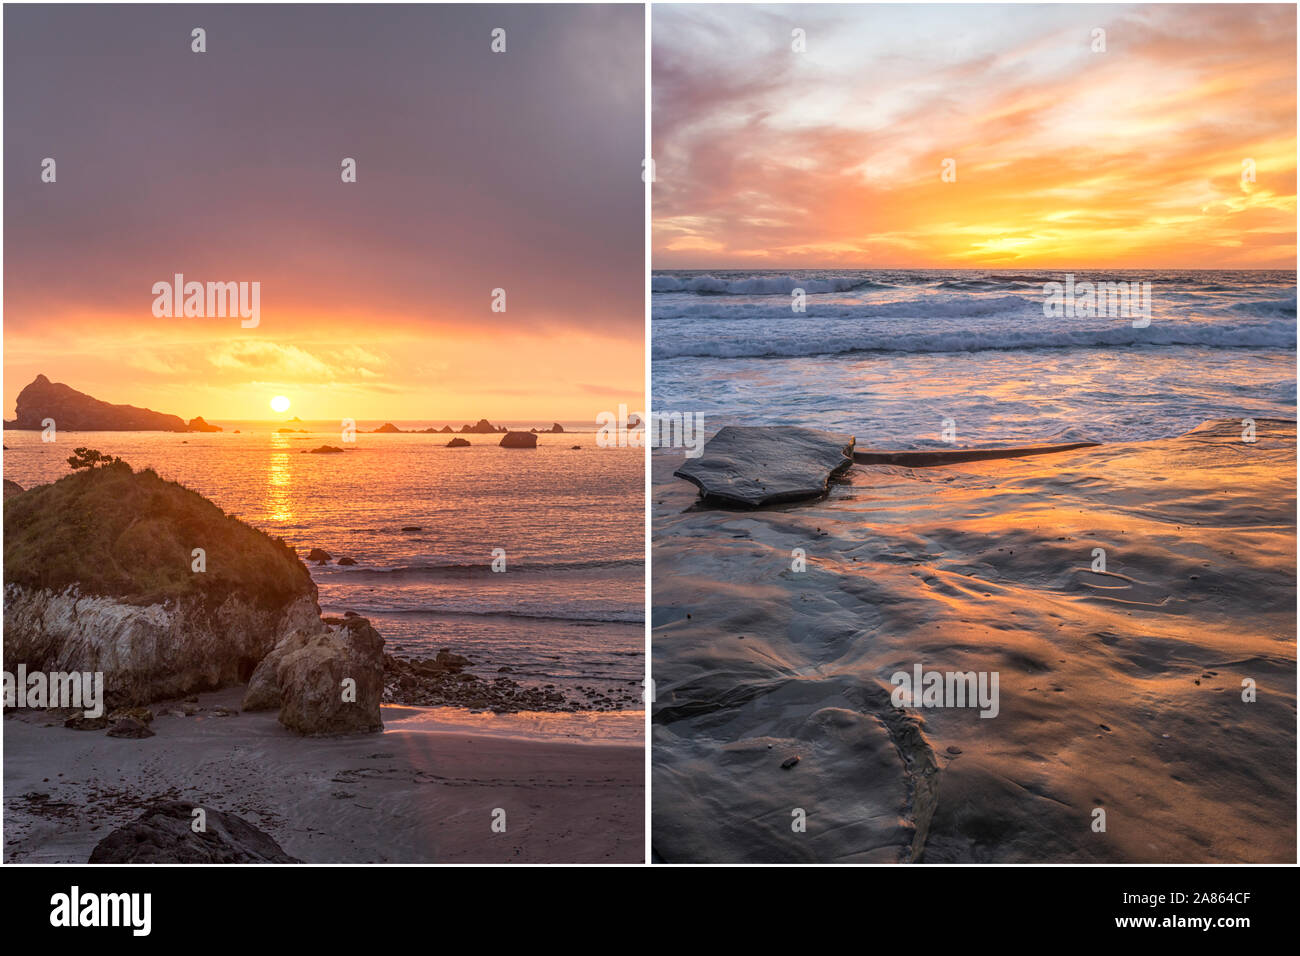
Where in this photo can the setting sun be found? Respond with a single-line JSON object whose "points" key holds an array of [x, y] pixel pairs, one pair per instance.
{"points": [[279, 404]]}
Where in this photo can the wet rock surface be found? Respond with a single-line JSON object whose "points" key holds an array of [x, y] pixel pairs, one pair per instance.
{"points": [[761, 465], [983, 568]]}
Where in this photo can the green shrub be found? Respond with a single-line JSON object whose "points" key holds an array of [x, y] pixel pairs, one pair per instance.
{"points": [[130, 535]]}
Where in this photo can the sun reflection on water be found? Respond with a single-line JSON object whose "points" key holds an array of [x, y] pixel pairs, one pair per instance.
{"points": [[278, 505]]}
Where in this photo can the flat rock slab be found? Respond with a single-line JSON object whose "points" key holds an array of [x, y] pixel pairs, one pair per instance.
{"points": [[763, 465], [934, 457]]}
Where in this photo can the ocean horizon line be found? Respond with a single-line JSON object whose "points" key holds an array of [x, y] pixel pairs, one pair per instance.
{"points": [[1051, 269]]}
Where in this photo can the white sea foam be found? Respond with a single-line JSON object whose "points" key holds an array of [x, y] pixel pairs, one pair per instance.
{"points": [[888, 355], [838, 337]]}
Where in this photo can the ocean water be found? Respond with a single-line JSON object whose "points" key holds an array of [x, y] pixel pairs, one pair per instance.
{"points": [[891, 355], [568, 609]]}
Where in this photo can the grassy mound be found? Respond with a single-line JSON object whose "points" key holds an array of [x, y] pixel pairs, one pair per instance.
{"points": [[130, 535]]}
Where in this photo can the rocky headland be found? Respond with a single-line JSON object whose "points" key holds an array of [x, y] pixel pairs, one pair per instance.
{"points": [[72, 410], [120, 572]]}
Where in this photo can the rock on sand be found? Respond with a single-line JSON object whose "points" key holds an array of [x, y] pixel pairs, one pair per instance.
{"points": [[757, 465], [165, 834]]}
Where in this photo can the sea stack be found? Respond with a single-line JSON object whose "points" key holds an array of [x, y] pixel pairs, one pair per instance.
{"points": [[72, 410], [518, 440]]}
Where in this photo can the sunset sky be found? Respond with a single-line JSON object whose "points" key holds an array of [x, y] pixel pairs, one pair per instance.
{"points": [[476, 171], [1132, 158]]}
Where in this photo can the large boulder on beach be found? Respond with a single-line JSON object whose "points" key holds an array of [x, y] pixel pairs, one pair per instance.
{"points": [[762, 465], [324, 683], [263, 690], [165, 833], [518, 440], [101, 575]]}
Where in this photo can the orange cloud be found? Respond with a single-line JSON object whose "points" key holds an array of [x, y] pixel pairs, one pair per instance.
{"points": [[475, 172], [1064, 155]]}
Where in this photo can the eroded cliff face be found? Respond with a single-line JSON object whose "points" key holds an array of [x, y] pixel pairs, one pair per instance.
{"points": [[147, 652]]}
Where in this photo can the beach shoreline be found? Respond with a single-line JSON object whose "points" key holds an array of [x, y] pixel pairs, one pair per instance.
{"points": [[1120, 690], [422, 791]]}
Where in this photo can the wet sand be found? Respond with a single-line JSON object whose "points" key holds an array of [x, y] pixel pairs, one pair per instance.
{"points": [[422, 791], [1119, 690]]}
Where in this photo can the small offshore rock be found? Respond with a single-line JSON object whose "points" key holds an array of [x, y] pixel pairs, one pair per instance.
{"points": [[518, 440]]}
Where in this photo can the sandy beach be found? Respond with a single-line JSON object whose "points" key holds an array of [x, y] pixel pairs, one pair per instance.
{"points": [[422, 791], [1119, 690]]}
